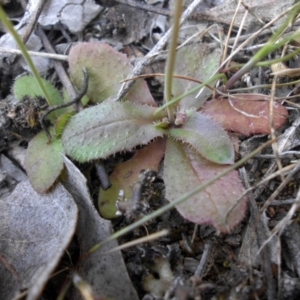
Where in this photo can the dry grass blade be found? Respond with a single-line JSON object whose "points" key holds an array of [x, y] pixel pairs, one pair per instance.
{"points": [[262, 9], [136, 242], [158, 47]]}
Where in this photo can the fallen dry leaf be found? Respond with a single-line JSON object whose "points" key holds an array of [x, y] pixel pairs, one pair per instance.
{"points": [[73, 14], [245, 113], [106, 274], [35, 231], [265, 10]]}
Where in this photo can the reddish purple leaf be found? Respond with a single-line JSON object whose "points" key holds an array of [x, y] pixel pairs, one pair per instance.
{"points": [[184, 170], [106, 68], [245, 113]]}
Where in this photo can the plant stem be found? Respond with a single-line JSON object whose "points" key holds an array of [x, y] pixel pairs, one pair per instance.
{"points": [[270, 62], [15, 35], [171, 60], [195, 89], [140, 67]]}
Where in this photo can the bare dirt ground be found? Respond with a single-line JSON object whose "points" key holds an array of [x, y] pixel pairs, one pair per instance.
{"points": [[44, 238]]}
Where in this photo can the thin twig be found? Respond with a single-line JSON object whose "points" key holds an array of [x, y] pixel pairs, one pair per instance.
{"points": [[259, 227], [145, 239], [284, 143], [33, 19], [278, 229], [102, 175], [271, 115], [158, 47], [205, 259], [282, 202], [253, 36], [146, 7], [33, 53], [62, 74], [281, 186], [75, 101], [230, 30], [10, 268], [237, 36]]}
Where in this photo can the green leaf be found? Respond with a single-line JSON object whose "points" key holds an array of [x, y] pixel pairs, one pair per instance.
{"points": [[43, 161], [184, 170], [28, 86], [110, 127], [62, 121], [206, 137], [196, 61], [125, 174], [106, 68]]}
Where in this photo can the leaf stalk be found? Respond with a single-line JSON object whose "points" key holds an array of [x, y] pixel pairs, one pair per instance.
{"points": [[171, 61]]}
